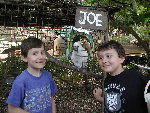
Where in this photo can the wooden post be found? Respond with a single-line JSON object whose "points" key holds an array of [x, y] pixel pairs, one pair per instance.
{"points": [[105, 74]]}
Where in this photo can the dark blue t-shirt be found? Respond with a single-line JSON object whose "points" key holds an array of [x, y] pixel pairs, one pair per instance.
{"points": [[33, 94], [124, 93]]}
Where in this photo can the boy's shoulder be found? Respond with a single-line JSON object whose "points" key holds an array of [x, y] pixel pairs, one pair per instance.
{"points": [[136, 74], [133, 72], [21, 79], [22, 76], [46, 72]]}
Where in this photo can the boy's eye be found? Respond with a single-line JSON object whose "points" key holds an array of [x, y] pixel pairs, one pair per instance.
{"points": [[108, 56], [35, 53], [100, 58]]}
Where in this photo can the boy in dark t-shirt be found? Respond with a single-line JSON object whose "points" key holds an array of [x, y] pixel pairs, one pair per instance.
{"points": [[123, 88]]}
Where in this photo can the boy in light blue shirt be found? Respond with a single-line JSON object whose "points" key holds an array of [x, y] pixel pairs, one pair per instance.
{"points": [[33, 90]]}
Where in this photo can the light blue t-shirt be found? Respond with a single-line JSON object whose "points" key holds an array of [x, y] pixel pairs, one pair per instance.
{"points": [[33, 94]]}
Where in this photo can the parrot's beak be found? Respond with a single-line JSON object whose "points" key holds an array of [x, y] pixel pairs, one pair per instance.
{"points": [[76, 48]]}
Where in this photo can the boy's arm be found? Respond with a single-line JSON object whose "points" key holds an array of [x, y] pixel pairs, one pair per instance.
{"points": [[98, 94], [53, 105], [14, 109]]}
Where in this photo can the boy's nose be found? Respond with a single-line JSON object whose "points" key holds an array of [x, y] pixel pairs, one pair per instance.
{"points": [[104, 60], [42, 56]]}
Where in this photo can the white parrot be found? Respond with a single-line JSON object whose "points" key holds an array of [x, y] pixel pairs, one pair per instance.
{"points": [[79, 55]]}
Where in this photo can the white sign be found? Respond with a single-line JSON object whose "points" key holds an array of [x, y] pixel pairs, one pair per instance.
{"points": [[96, 20], [91, 19]]}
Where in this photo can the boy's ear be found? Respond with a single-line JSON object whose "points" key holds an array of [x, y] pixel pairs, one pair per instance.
{"points": [[24, 58], [122, 59]]}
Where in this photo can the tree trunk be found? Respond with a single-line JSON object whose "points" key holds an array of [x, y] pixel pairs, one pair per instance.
{"points": [[129, 30]]}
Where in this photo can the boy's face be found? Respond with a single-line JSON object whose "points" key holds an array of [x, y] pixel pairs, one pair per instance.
{"points": [[110, 62], [36, 58]]}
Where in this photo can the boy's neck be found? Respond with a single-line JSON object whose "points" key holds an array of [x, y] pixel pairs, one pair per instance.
{"points": [[117, 72], [36, 73]]}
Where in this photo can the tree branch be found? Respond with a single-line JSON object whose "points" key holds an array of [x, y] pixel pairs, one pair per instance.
{"points": [[72, 67]]}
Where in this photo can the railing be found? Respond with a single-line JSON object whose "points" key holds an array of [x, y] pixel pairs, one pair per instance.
{"points": [[141, 66]]}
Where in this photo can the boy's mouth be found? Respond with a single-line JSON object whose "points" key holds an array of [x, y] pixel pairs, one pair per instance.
{"points": [[41, 62], [106, 65]]}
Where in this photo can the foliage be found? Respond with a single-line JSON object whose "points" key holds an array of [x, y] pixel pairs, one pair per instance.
{"points": [[132, 66], [95, 2], [11, 66], [93, 66], [136, 16], [68, 75], [63, 73], [123, 40]]}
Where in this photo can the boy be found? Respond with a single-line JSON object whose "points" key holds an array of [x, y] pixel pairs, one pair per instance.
{"points": [[34, 88], [123, 88]]}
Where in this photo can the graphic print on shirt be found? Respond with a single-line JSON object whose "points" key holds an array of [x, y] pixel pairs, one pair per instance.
{"points": [[113, 94], [37, 99]]}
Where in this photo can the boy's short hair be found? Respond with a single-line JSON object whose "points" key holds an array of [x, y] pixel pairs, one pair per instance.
{"points": [[112, 44], [30, 43]]}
